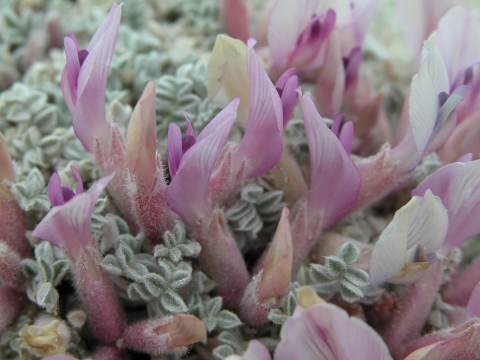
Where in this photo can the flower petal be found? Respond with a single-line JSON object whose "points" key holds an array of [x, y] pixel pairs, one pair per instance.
{"points": [[141, 142], [174, 140], [55, 190], [255, 351], [89, 119], [334, 182], [187, 194], [71, 71], [79, 188], [96, 189], [261, 146], [458, 185], [473, 306]]}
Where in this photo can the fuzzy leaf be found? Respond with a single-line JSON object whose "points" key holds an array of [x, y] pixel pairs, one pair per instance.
{"points": [[111, 265], [350, 292], [213, 306], [47, 297], [29, 267], [210, 322], [335, 265], [180, 278], [227, 320], [319, 273], [357, 277], [277, 316], [290, 304], [125, 255], [173, 302], [348, 253], [155, 284], [228, 338], [60, 268], [137, 291], [45, 271], [223, 351]]}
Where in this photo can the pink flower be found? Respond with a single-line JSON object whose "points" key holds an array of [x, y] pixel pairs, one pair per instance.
{"points": [[84, 80], [68, 224], [325, 331]]}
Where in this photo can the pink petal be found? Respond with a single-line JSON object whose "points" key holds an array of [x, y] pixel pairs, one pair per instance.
{"points": [[79, 188], [174, 140], [55, 190], [336, 124], [473, 306], [89, 119], [70, 73], [335, 182], [68, 226], [187, 194], [346, 136], [235, 18], [282, 80], [458, 185], [255, 351], [96, 189], [289, 96], [362, 14], [261, 146], [325, 331]]}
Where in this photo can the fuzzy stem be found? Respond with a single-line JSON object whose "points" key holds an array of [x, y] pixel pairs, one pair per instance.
{"points": [[222, 261], [460, 289], [98, 296], [11, 302], [13, 225], [10, 269], [412, 311]]}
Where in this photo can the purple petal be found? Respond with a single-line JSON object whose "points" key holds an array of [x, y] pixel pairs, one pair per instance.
{"points": [[89, 119], [346, 136], [336, 124], [325, 331], [71, 71], [255, 351], [67, 193], [458, 185], [351, 70], [174, 140], [288, 97], [335, 182], [79, 188], [473, 306], [282, 80], [187, 194], [261, 146], [362, 14], [69, 225], [465, 158], [55, 190], [189, 127], [96, 189]]}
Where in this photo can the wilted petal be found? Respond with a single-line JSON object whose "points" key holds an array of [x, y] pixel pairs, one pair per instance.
{"points": [[141, 142], [187, 194], [458, 185], [261, 146], [89, 119], [335, 181], [420, 222], [325, 331], [228, 75]]}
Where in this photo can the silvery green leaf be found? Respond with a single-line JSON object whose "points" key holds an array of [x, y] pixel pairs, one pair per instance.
{"points": [[160, 251], [155, 284], [147, 260], [138, 291], [125, 255], [51, 146], [251, 222], [210, 323], [190, 249], [251, 192], [227, 320], [29, 267], [269, 200], [175, 254], [229, 338], [290, 304], [222, 352], [348, 253], [239, 210], [319, 273], [111, 265], [46, 119], [335, 265], [45, 271], [277, 316], [47, 297], [370, 295], [60, 268], [170, 239], [357, 277], [44, 250], [213, 306], [173, 302], [350, 292], [180, 278], [179, 231], [36, 102], [166, 267], [35, 181]]}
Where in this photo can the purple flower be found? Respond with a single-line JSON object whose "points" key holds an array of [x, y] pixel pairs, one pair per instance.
{"points": [[68, 224], [187, 194], [325, 331], [458, 186], [84, 80], [409, 243]]}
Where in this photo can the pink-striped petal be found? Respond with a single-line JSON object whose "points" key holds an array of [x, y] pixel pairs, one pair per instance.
{"points": [[335, 182], [89, 118], [458, 185], [55, 190], [187, 194], [174, 139], [289, 96], [473, 306], [262, 143], [255, 351], [71, 71], [325, 331], [346, 136], [79, 188]]}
